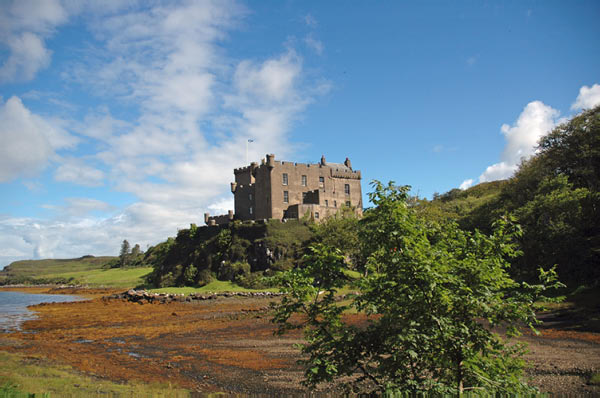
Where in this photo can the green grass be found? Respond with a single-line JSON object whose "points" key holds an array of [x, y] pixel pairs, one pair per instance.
{"points": [[114, 277], [83, 271], [24, 375], [595, 379], [214, 286], [49, 268]]}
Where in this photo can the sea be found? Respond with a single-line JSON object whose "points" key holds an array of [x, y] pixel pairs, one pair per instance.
{"points": [[13, 307]]}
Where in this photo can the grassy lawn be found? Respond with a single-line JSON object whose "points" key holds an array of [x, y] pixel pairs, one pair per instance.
{"points": [[21, 376], [114, 277]]}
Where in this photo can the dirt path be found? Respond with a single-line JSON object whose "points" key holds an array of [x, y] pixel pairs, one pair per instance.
{"points": [[228, 345]]}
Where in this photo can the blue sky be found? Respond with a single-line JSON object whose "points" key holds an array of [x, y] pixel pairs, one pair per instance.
{"points": [[124, 119]]}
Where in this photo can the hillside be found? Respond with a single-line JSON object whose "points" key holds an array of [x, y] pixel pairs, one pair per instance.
{"points": [[238, 252], [86, 270], [464, 207]]}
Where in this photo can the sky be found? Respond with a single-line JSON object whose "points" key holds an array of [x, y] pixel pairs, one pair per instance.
{"points": [[125, 119]]}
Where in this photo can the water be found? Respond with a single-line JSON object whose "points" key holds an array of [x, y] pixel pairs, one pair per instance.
{"points": [[13, 307]]}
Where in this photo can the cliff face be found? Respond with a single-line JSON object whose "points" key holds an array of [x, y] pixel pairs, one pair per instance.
{"points": [[238, 251]]}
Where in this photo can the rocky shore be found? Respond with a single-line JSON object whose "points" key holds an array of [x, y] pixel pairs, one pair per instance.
{"points": [[145, 297]]}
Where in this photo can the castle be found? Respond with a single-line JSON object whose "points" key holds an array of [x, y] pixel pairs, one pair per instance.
{"points": [[282, 190]]}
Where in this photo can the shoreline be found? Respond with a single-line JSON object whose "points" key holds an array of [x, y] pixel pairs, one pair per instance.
{"points": [[227, 345]]}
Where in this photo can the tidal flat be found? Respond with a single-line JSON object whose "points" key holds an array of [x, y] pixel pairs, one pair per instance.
{"points": [[227, 345]]}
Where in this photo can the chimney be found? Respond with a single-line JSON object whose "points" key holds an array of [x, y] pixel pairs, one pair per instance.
{"points": [[206, 217]]}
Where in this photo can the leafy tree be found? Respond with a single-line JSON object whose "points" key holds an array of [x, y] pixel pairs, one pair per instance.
{"points": [[428, 306], [136, 251], [341, 231], [124, 254], [556, 197]]}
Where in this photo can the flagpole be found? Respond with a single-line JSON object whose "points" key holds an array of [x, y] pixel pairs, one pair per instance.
{"points": [[247, 142]]}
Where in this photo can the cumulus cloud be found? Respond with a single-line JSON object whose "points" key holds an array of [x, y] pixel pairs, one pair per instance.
{"points": [[588, 97], [536, 120], [29, 140], [24, 26], [466, 184]]}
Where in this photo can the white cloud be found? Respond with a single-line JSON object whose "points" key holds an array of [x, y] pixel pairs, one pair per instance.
{"points": [[29, 140], [24, 25], [588, 97], [270, 81], [498, 171], [196, 109], [466, 184], [77, 172], [536, 120]]}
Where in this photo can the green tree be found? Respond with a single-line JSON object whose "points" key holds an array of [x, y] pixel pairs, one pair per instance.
{"points": [[124, 255], [430, 300], [555, 196], [136, 251], [341, 231]]}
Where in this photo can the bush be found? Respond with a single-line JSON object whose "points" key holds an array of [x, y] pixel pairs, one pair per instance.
{"points": [[229, 271]]}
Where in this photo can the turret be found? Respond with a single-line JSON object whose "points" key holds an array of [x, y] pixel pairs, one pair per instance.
{"points": [[271, 160], [323, 162], [348, 164], [233, 187]]}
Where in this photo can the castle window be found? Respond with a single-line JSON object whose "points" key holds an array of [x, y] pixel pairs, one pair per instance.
{"points": [[303, 196], [326, 203], [321, 182], [303, 181], [335, 203], [285, 179], [316, 215], [286, 197], [250, 209], [348, 203], [250, 196], [347, 189]]}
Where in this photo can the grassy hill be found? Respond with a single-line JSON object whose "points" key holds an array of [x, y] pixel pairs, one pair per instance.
{"points": [[466, 207], [86, 270]]}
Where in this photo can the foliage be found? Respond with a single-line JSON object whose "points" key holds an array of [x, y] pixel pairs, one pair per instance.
{"points": [[554, 196], [124, 254], [431, 298], [340, 230], [230, 252], [231, 271], [461, 206]]}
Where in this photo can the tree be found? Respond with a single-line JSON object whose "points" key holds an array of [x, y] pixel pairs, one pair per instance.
{"points": [[136, 251], [124, 255], [340, 230], [556, 198], [425, 312]]}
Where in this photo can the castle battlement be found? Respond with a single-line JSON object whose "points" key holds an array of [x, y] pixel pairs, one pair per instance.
{"points": [[279, 189]]}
